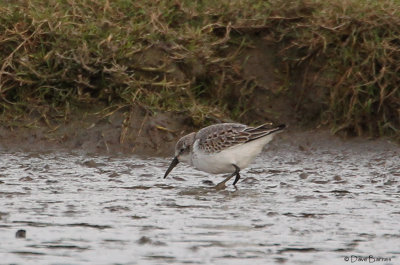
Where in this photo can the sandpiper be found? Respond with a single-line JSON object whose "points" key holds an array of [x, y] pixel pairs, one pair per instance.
{"points": [[223, 148]]}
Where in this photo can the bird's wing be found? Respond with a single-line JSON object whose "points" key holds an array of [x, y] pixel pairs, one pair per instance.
{"points": [[262, 130], [215, 138]]}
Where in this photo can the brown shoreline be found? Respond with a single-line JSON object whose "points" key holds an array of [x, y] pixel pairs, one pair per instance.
{"points": [[136, 131], [124, 131]]}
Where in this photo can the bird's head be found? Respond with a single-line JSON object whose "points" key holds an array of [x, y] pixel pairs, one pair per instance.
{"points": [[182, 151]]}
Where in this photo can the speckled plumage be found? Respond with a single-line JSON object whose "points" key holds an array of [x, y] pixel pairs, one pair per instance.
{"points": [[218, 137], [223, 148]]}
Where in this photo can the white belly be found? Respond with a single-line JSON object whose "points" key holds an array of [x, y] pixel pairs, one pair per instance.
{"points": [[222, 162]]}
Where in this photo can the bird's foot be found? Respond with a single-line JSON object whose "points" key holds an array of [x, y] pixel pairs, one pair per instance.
{"points": [[220, 186]]}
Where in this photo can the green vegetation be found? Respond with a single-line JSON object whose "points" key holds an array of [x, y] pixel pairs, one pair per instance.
{"points": [[182, 56]]}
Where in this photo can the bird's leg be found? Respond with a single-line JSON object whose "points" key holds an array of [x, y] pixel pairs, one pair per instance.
{"points": [[221, 185], [237, 170]]}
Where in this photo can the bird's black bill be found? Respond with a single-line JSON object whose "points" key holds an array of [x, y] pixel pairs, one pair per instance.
{"points": [[171, 166]]}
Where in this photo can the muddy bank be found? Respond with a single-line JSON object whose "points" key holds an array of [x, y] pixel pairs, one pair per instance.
{"points": [[248, 61], [137, 131], [136, 128], [123, 130]]}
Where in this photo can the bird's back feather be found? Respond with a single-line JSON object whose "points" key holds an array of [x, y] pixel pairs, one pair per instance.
{"points": [[218, 137]]}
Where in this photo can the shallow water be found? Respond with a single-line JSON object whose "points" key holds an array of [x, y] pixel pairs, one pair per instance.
{"points": [[294, 205]]}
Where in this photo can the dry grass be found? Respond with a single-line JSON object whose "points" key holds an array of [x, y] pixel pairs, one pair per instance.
{"points": [[353, 47], [179, 56]]}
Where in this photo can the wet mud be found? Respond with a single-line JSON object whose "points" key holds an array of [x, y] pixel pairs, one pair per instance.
{"points": [[305, 200], [126, 129]]}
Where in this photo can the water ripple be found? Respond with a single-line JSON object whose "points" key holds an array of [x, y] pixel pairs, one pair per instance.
{"points": [[297, 204]]}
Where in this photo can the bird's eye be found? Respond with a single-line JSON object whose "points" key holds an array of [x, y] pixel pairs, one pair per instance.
{"points": [[182, 149]]}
